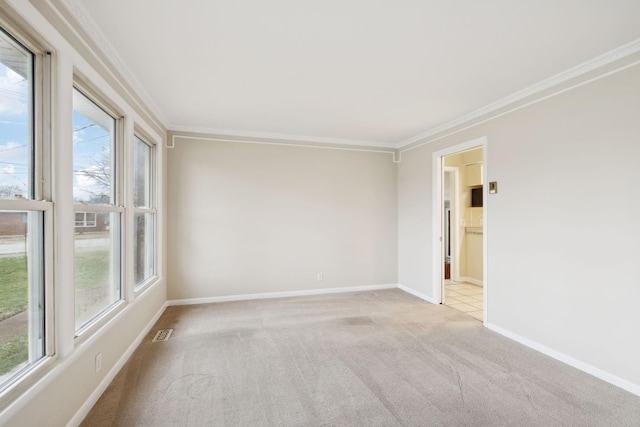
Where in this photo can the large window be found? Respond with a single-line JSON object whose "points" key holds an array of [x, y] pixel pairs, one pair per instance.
{"points": [[144, 211], [96, 183], [25, 215]]}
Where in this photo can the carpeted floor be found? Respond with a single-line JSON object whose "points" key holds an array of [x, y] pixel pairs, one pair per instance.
{"points": [[381, 358]]}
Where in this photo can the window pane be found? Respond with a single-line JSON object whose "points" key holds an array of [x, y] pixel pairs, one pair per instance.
{"points": [[144, 267], [97, 266], [21, 292], [16, 108], [93, 154], [142, 174]]}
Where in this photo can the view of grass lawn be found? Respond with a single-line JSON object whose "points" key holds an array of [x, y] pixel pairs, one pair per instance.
{"points": [[92, 270], [93, 283], [13, 353], [14, 286], [13, 300]]}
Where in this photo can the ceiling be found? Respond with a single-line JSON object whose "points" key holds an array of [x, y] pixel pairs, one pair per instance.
{"points": [[377, 72]]}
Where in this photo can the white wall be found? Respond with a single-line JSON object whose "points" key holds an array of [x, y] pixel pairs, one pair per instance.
{"points": [[255, 218], [70, 384], [563, 230]]}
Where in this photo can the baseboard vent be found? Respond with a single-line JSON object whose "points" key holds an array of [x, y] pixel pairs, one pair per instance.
{"points": [[163, 335]]}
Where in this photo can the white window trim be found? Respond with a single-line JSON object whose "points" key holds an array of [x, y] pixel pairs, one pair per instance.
{"points": [[139, 288], [41, 202], [90, 327]]}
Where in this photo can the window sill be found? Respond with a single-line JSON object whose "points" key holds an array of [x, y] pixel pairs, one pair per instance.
{"points": [[91, 328], [25, 380], [142, 288]]}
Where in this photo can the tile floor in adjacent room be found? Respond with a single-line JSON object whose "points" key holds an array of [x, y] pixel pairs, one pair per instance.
{"points": [[465, 297]]}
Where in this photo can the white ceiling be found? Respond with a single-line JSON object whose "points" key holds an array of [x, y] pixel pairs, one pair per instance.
{"points": [[348, 70]]}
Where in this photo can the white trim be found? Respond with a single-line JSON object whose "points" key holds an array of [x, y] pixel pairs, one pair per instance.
{"points": [[437, 227], [286, 294], [83, 411], [280, 143], [417, 294], [87, 24], [230, 133], [25, 205], [607, 58], [470, 280], [485, 233], [26, 398], [571, 361], [107, 54], [106, 50], [82, 207], [518, 107]]}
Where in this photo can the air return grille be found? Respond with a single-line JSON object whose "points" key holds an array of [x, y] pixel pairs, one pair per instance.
{"points": [[163, 335]]}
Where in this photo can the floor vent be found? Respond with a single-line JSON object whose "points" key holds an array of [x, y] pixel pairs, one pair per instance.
{"points": [[163, 335]]}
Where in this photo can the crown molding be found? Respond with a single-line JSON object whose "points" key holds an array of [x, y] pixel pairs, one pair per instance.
{"points": [[610, 57], [173, 136], [538, 90], [227, 134], [109, 55]]}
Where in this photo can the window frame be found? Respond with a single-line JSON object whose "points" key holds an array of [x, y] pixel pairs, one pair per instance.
{"points": [[115, 206], [139, 135], [39, 200]]}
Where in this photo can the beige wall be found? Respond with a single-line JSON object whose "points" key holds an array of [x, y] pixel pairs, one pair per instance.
{"points": [[245, 218], [255, 218], [563, 230]]}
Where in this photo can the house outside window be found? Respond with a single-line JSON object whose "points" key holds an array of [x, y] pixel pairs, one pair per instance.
{"points": [[85, 219]]}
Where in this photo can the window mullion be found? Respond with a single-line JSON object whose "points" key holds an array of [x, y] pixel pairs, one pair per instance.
{"points": [[23, 204], [81, 207]]}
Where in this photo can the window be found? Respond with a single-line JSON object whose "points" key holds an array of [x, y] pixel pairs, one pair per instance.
{"points": [[96, 195], [144, 211], [85, 219], [24, 215]]}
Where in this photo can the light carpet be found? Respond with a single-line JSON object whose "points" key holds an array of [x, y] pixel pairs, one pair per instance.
{"points": [[382, 358]]}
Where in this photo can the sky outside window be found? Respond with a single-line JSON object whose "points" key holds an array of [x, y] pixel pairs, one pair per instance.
{"points": [[15, 138], [93, 135]]}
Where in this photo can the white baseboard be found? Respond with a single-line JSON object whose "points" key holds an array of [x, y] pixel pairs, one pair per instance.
{"points": [[470, 280], [417, 294], [243, 297], [93, 397], [578, 364]]}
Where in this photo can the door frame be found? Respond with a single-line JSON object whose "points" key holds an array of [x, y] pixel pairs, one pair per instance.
{"points": [[438, 222]]}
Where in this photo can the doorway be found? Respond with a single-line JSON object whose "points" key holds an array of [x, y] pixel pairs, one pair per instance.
{"points": [[459, 227]]}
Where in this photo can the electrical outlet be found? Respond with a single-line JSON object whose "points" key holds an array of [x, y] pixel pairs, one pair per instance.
{"points": [[320, 276], [98, 362]]}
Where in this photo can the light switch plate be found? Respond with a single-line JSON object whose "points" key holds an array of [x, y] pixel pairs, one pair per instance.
{"points": [[493, 187]]}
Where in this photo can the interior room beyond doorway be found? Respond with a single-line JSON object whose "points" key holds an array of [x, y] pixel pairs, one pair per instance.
{"points": [[462, 213], [465, 297]]}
